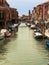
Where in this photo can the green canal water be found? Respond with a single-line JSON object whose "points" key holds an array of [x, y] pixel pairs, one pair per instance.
{"points": [[23, 49]]}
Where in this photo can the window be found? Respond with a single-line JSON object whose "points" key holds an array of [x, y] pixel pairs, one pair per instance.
{"points": [[1, 15], [1, 1], [46, 6]]}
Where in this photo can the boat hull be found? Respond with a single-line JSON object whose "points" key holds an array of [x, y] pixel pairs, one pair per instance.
{"points": [[38, 35], [7, 34], [47, 43]]}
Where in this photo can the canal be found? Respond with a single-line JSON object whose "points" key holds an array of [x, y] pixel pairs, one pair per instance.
{"points": [[23, 49]]}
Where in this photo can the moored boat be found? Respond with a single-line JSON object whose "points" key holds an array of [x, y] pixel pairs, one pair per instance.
{"points": [[33, 26], [38, 35], [5, 32], [12, 27], [36, 30], [28, 24], [16, 25], [47, 43]]}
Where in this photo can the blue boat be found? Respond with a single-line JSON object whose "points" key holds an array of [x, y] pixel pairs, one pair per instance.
{"points": [[47, 43]]}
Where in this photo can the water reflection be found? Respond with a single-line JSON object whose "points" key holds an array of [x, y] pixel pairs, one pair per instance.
{"points": [[14, 36], [5, 42], [2, 51], [1, 43], [23, 49], [4, 47]]}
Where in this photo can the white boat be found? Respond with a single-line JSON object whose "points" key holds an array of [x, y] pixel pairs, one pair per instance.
{"points": [[2, 33], [15, 25], [23, 25], [12, 27], [38, 35], [32, 26], [28, 24], [5, 32], [36, 30]]}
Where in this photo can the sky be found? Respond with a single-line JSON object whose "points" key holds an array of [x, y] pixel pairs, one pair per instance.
{"points": [[23, 6]]}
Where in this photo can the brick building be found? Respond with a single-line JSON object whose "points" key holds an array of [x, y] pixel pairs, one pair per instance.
{"points": [[41, 11], [7, 14]]}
